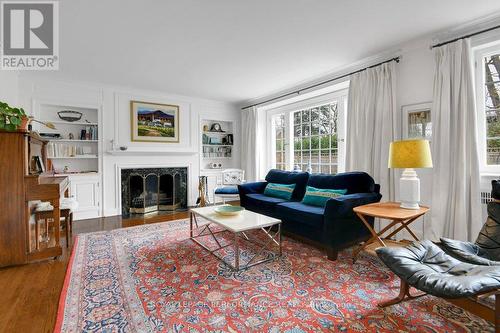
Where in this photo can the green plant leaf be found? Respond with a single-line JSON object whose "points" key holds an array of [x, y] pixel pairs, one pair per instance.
{"points": [[10, 127], [15, 120]]}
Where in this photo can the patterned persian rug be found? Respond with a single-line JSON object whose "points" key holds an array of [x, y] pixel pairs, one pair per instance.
{"points": [[153, 278]]}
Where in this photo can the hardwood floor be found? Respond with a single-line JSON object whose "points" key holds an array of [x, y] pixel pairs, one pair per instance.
{"points": [[29, 294]]}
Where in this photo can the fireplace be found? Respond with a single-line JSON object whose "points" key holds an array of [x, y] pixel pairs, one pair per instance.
{"points": [[148, 190]]}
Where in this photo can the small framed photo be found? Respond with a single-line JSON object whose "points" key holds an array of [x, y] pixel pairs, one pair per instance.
{"points": [[153, 122], [417, 121]]}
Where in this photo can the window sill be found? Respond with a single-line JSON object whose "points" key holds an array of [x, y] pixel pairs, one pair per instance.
{"points": [[490, 174]]}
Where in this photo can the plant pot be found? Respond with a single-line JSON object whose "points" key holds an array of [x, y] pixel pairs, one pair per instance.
{"points": [[24, 123]]}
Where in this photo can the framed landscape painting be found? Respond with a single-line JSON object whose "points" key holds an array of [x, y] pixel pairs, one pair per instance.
{"points": [[152, 122]]}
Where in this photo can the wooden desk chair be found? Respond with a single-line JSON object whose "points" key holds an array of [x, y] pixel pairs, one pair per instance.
{"points": [[45, 212]]}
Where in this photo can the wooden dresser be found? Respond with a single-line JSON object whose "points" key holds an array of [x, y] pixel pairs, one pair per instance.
{"points": [[19, 188]]}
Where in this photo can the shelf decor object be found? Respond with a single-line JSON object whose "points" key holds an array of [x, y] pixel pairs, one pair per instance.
{"points": [[228, 210], [153, 122], [69, 115], [216, 127], [410, 154]]}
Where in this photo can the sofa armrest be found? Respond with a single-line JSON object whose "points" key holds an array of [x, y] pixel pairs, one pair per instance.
{"points": [[249, 188], [342, 207]]}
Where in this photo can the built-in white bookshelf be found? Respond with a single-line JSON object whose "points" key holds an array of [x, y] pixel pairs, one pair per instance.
{"points": [[75, 145], [217, 144]]}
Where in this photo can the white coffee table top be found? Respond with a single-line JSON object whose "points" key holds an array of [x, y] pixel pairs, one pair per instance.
{"points": [[244, 221]]}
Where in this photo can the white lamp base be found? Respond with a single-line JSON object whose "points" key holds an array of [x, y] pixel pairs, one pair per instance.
{"points": [[409, 188]]}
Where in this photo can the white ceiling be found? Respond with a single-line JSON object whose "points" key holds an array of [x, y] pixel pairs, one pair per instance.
{"points": [[235, 50]]}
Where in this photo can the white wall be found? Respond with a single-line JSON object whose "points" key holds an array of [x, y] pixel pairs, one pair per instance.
{"points": [[114, 102], [9, 81], [415, 82]]}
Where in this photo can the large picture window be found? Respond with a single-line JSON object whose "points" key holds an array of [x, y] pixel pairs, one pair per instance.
{"points": [[310, 135]]}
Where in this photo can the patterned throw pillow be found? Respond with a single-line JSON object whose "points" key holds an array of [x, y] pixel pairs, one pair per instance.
{"points": [[319, 196], [282, 191]]}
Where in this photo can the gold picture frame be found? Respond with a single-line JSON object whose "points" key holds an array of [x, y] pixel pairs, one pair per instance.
{"points": [[154, 122]]}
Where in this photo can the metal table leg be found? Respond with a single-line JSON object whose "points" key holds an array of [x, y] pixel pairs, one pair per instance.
{"points": [[236, 251]]}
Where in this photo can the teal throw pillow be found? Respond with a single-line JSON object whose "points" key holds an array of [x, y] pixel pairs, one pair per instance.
{"points": [[282, 191], [319, 196]]}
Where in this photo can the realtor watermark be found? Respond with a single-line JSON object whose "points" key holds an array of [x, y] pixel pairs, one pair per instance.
{"points": [[29, 35]]}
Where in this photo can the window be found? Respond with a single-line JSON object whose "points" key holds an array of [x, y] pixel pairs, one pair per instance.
{"points": [[308, 134], [488, 100], [492, 108]]}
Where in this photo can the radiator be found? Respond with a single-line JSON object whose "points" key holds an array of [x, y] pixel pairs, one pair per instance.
{"points": [[485, 198]]}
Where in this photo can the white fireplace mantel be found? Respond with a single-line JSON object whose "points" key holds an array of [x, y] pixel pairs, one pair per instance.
{"points": [[131, 152]]}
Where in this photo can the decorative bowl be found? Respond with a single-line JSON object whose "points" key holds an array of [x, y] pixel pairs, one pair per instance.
{"points": [[228, 210], [69, 115]]}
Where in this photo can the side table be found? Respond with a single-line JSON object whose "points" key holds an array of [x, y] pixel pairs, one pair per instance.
{"points": [[401, 219]]}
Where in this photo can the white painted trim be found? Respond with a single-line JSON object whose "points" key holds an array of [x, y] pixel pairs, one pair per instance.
{"points": [[121, 89], [467, 28], [123, 166]]}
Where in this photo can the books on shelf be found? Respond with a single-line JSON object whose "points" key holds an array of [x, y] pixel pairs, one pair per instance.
{"points": [[66, 150], [89, 133], [224, 151]]}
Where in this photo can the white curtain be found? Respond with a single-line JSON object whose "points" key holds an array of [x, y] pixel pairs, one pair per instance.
{"points": [[456, 211], [250, 156], [371, 124]]}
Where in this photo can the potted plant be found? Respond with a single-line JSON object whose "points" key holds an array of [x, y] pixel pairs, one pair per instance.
{"points": [[12, 118]]}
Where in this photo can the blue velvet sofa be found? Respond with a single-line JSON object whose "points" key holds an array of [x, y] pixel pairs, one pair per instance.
{"points": [[334, 227]]}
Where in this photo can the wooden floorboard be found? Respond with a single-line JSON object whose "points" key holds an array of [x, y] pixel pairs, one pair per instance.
{"points": [[29, 294]]}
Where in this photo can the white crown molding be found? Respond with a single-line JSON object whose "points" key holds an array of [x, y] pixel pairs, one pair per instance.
{"points": [[101, 87], [472, 26]]}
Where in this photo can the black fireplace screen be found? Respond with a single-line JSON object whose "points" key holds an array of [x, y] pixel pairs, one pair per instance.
{"points": [[149, 190]]}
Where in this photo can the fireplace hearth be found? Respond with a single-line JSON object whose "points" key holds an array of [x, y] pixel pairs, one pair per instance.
{"points": [[148, 190]]}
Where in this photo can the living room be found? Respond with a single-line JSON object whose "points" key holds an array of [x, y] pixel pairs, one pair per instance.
{"points": [[285, 166]]}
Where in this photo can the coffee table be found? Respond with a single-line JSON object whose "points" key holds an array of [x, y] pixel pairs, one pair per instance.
{"points": [[239, 225]]}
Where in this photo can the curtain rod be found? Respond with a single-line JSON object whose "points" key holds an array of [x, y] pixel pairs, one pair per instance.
{"points": [[466, 36], [297, 92]]}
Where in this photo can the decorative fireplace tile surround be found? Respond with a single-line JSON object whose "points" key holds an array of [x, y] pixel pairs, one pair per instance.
{"points": [[145, 190]]}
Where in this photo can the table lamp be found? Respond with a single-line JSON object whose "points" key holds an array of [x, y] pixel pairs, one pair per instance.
{"points": [[410, 154]]}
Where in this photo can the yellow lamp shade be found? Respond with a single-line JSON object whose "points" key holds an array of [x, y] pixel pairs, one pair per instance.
{"points": [[410, 154]]}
